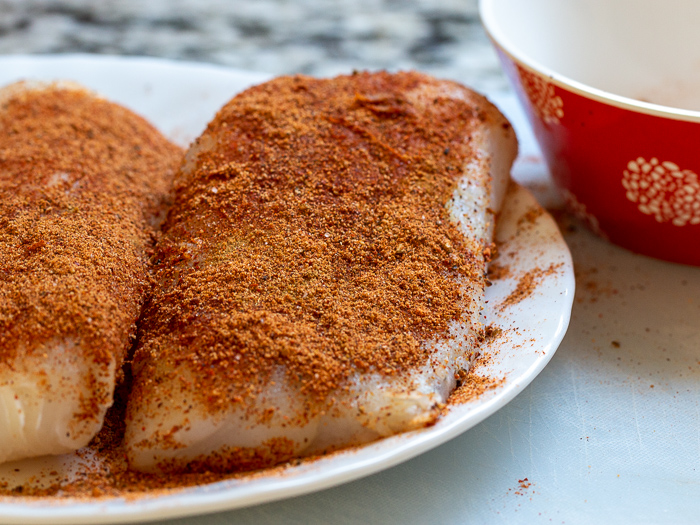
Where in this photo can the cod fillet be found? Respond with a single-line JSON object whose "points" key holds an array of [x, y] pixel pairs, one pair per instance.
{"points": [[320, 278], [83, 184]]}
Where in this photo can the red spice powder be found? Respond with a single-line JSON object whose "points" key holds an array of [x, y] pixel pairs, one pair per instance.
{"points": [[313, 236], [82, 185]]}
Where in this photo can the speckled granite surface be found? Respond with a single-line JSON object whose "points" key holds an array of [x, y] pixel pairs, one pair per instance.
{"points": [[318, 37]]}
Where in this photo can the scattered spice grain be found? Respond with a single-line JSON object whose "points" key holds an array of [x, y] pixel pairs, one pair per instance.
{"points": [[527, 284], [497, 271]]}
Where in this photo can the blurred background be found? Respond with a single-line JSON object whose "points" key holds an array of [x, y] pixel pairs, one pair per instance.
{"points": [[317, 37]]}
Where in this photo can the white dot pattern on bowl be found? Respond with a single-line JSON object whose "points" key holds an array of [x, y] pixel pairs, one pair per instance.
{"points": [[663, 190], [548, 106]]}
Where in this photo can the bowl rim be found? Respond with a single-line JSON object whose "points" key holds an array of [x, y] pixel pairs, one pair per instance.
{"points": [[500, 40]]}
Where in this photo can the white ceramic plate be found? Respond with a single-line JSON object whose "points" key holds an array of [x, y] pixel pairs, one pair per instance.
{"points": [[180, 98]]}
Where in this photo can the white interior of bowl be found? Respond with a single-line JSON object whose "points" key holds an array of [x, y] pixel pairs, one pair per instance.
{"points": [[644, 50]]}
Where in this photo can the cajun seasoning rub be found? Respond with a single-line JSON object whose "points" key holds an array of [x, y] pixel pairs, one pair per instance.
{"points": [[82, 187], [320, 275]]}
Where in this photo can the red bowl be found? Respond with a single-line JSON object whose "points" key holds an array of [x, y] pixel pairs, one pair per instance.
{"points": [[600, 81]]}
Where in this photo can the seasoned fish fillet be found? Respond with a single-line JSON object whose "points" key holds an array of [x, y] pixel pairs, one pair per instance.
{"points": [[320, 275], [83, 184]]}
